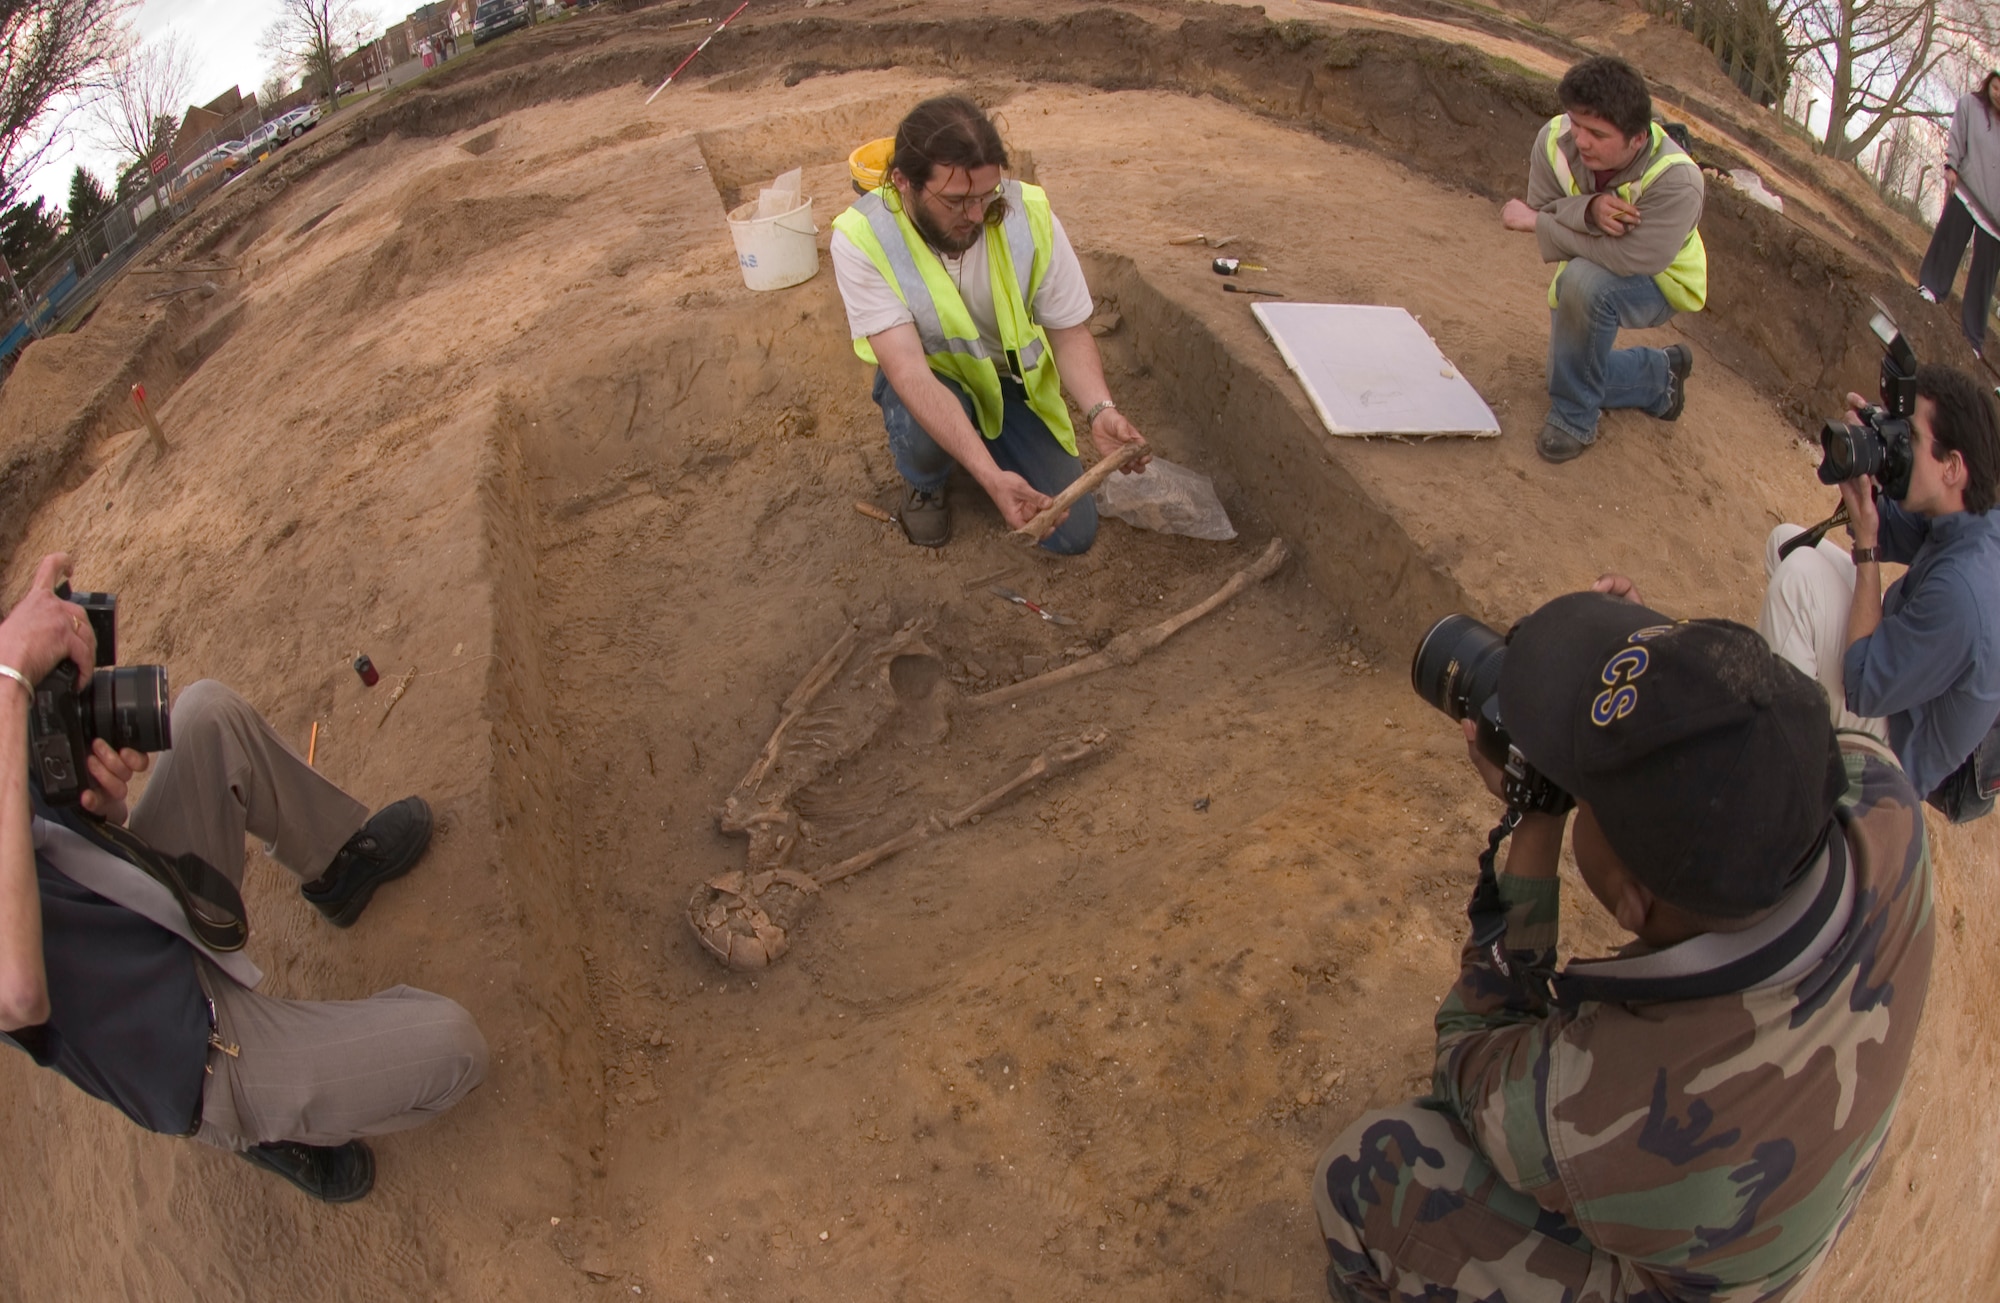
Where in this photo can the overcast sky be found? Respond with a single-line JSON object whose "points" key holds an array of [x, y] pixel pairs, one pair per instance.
{"points": [[222, 34]]}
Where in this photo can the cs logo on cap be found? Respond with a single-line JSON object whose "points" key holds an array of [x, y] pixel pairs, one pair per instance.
{"points": [[1621, 695]]}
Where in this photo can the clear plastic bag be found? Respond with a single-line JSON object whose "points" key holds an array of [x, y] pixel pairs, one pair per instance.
{"points": [[1166, 499]]}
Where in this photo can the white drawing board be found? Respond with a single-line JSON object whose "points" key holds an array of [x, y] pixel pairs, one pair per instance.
{"points": [[1374, 371]]}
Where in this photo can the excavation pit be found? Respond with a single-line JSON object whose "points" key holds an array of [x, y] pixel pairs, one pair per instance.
{"points": [[492, 403]]}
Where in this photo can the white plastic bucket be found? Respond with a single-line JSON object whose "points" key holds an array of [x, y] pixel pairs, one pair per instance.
{"points": [[774, 252]]}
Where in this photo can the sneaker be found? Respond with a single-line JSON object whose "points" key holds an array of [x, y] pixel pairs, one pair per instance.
{"points": [[927, 518], [1680, 364], [1559, 445], [329, 1173], [1924, 293], [388, 846]]}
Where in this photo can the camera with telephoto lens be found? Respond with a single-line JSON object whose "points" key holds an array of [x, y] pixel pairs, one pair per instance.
{"points": [[1881, 445], [126, 706], [1457, 669]]}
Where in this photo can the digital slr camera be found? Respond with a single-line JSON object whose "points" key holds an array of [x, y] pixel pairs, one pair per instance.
{"points": [[1457, 670], [126, 706], [1881, 445]]}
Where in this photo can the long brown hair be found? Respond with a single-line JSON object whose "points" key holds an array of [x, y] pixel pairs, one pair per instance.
{"points": [[1986, 94]]}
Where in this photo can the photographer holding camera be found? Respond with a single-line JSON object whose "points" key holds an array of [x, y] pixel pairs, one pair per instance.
{"points": [[1923, 657], [121, 963], [1696, 1117]]}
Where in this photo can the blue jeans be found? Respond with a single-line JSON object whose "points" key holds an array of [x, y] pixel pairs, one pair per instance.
{"points": [[1586, 374], [1026, 447]]}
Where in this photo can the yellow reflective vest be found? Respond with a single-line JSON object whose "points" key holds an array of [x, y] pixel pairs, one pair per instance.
{"points": [[1685, 281], [1017, 257]]}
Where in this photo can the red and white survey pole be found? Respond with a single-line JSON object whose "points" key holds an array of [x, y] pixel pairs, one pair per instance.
{"points": [[697, 50]]}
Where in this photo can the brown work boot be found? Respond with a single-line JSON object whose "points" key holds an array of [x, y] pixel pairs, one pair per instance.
{"points": [[927, 518]]}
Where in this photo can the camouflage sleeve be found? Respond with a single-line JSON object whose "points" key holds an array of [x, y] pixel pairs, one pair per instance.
{"points": [[1494, 1039]]}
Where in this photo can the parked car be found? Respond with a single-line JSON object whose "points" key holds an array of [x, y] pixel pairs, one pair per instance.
{"points": [[498, 17], [296, 122], [264, 139], [210, 170]]}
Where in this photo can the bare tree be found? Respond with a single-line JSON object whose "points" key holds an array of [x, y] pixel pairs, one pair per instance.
{"points": [[147, 83], [1880, 60], [309, 40], [50, 51], [276, 86]]}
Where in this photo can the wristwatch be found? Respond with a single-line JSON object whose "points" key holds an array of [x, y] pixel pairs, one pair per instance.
{"points": [[1864, 555]]}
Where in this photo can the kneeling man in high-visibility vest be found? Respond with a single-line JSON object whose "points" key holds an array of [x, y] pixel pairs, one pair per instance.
{"points": [[963, 290], [1613, 201]]}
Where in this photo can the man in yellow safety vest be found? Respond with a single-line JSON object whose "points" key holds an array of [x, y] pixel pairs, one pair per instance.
{"points": [[961, 287], [1614, 202]]}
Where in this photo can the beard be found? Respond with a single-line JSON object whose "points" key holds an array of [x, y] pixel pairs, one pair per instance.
{"points": [[944, 241]]}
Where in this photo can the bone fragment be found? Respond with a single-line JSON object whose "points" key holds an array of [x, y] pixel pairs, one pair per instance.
{"points": [[1129, 647], [815, 682], [1057, 758], [1039, 527], [402, 686]]}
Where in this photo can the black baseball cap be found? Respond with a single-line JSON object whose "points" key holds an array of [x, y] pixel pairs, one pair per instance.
{"points": [[1708, 759]]}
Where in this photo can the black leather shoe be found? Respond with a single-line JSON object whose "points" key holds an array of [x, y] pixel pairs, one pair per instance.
{"points": [[1680, 364], [1558, 445], [388, 846], [331, 1174]]}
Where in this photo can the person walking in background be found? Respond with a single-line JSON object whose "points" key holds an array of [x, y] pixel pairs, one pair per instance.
{"points": [[1971, 210]]}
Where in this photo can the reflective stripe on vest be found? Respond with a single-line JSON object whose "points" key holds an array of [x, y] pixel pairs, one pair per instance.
{"points": [[955, 350], [917, 296], [1684, 284]]}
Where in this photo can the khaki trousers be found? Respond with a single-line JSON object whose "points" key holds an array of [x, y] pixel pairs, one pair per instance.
{"points": [[1805, 618], [320, 1072]]}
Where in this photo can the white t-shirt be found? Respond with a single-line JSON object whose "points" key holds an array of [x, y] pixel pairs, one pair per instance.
{"points": [[873, 307]]}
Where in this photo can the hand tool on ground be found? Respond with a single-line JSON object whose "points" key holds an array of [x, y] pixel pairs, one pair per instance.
{"points": [[1129, 647], [697, 50], [1250, 289], [874, 512], [1230, 266], [1019, 600], [1044, 522]]}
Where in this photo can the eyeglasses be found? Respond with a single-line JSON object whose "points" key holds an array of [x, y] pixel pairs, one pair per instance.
{"points": [[969, 204]]}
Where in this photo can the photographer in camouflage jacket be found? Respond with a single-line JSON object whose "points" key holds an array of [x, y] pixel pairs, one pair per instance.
{"points": [[1696, 1117]]}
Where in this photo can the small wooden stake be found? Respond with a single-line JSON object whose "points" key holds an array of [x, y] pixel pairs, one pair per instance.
{"points": [[159, 436], [312, 745]]}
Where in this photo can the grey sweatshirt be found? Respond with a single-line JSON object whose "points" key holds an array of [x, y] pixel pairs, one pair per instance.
{"points": [[1669, 207], [1973, 151]]}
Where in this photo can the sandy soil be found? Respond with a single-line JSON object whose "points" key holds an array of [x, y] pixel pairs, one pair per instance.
{"points": [[494, 406]]}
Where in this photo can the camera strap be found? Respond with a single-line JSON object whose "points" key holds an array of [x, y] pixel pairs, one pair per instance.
{"points": [[212, 904], [1811, 537], [1488, 915]]}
